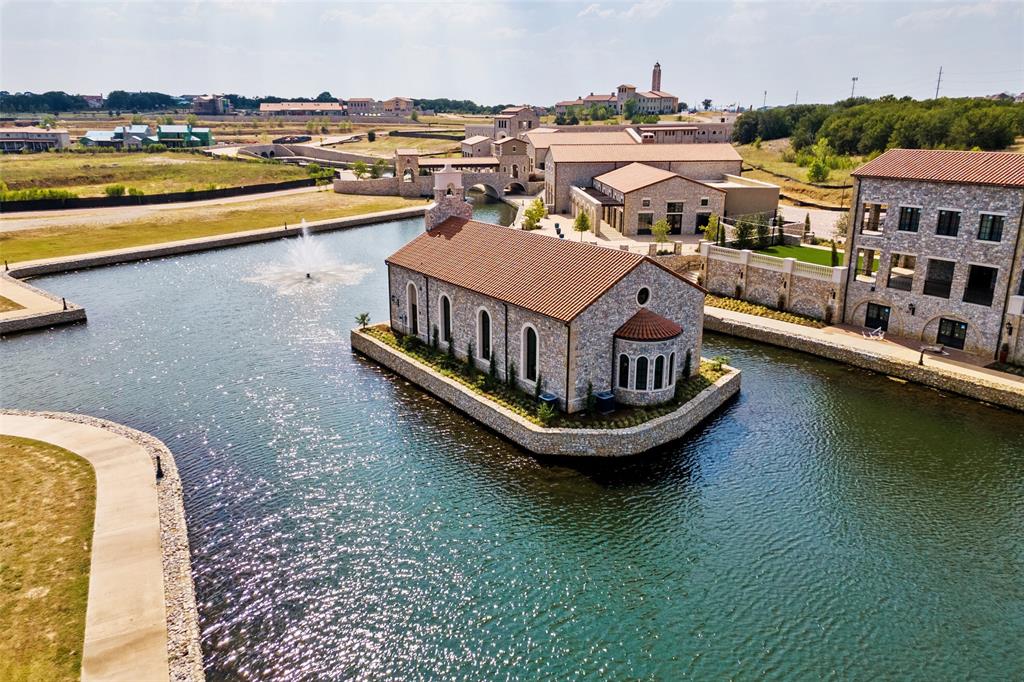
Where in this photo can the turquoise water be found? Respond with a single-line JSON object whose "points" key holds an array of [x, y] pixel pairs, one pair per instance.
{"points": [[829, 522]]}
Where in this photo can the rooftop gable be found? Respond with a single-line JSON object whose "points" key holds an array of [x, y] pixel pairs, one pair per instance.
{"points": [[939, 165], [643, 152], [553, 277]]}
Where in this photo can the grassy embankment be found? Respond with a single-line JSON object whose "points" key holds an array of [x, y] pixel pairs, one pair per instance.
{"points": [[88, 174], [7, 305], [47, 501], [67, 237], [795, 184]]}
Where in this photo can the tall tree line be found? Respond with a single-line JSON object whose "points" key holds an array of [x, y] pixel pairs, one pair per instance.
{"points": [[865, 126]]}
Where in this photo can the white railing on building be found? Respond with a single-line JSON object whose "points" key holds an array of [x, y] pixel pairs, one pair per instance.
{"points": [[812, 271], [767, 262]]}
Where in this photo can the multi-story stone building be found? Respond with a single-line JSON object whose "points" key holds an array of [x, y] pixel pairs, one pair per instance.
{"points": [[567, 166], [633, 198], [561, 314], [935, 249], [514, 122]]}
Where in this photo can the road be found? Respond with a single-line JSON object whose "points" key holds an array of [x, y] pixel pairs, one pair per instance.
{"points": [[120, 214]]}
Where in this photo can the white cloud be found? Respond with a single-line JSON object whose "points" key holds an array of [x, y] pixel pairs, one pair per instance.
{"points": [[646, 9], [942, 14]]}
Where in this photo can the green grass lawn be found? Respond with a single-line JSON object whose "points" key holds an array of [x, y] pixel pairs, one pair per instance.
{"points": [[802, 253], [47, 503], [88, 174], [7, 305], [67, 239]]}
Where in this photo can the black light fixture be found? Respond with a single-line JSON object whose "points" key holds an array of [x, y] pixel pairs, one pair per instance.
{"points": [[1009, 329], [912, 308]]}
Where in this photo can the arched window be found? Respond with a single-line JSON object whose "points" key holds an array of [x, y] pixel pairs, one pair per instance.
{"points": [[641, 374], [659, 372], [414, 310], [671, 369], [446, 319], [623, 371], [484, 335], [530, 353]]}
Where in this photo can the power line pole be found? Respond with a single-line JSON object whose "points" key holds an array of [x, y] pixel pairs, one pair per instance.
{"points": [[938, 83], [853, 87], [796, 98], [765, 102]]}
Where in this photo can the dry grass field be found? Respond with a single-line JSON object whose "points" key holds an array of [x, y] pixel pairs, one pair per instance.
{"points": [[88, 174], [47, 503], [67, 237]]}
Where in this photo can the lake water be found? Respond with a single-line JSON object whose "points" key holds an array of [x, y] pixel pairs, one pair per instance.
{"points": [[830, 522]]}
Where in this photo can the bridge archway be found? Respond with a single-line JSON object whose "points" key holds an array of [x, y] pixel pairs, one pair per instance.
{"points": [[489, 190], [515, 188]]}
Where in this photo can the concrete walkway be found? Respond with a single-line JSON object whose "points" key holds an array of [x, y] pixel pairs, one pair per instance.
{"points": [[958, 372], [125, 622]]}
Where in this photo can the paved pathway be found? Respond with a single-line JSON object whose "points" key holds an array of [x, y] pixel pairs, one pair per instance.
{"points": [[903, 350], [823, 223], [125, 621]]}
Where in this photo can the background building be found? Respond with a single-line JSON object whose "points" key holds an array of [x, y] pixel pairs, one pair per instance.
{"points": [[31, 138]]}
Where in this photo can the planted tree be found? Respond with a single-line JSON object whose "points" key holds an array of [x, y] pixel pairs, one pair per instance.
{"points": [[191, 119], [470, 363], [538, 388], [761, 231], [744, 234], [807, 223], [435, 338], [707, 104], [534, 213], [835, 254], [363, 319], [660, 231], [511, 375], [371, 136], [377, 170], [360, 169], [581, 224]]}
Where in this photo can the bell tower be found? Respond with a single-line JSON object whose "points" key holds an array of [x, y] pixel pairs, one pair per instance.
{"points": [[656, 77], [449, 198]]}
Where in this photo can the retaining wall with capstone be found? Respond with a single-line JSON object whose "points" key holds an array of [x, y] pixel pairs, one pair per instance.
{"points": [[553, 441]]}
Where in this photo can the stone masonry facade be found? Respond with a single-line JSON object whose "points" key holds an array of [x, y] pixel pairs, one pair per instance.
{"points": [[914, 313], [579, 352], [696, 198], [561, 177]]}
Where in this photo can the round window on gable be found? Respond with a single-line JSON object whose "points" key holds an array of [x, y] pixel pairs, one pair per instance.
{"points": [[643, 295]]}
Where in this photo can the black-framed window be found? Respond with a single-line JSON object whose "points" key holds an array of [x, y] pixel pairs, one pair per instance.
{"points": [[877, 317], [990, 228], [938, 279], [951, 333], [949, 223], [641, 374], [446, 319], [910, 218], [981, 285], [674, 207], [623, 371], [485, 335], [644, 221]]}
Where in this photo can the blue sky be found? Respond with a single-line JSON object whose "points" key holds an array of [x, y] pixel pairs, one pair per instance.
{"points": [[498, 52]]}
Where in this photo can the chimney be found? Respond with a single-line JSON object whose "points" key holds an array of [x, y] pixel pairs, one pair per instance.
{"points": [[449, 198]]}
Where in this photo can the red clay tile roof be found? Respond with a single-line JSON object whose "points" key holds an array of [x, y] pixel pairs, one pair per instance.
{"points": [[648, 326], [554, 277], [937, 165]]}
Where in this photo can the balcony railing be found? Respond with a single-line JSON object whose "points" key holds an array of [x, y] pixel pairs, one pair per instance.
{"points": [[978, 296]]}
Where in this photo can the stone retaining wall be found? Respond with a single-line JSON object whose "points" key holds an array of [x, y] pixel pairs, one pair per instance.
{"points": [[76, 313], [926, 375], [553, 441]]}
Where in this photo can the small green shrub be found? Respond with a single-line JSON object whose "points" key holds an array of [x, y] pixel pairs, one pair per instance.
{"points": [[114, 190], [546, 413]]}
